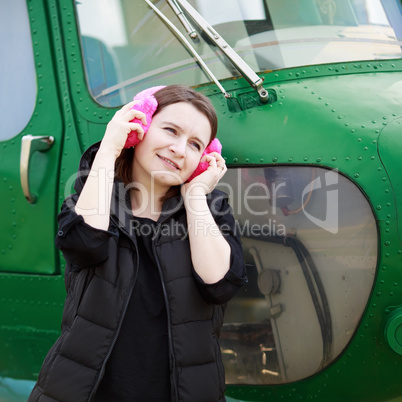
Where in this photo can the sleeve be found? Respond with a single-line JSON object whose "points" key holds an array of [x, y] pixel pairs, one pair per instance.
{"points": [[81, 244], [222, 291]]}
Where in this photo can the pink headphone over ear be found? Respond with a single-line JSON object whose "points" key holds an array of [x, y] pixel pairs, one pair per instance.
{"points": [[214, 146], [146, 104]]}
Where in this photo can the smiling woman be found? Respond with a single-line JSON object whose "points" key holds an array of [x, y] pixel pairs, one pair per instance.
{"points": [[176, 139], [188, 103], [152, 268]]}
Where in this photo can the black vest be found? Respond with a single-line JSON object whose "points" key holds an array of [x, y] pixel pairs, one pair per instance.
{"points": [[95, 307]]}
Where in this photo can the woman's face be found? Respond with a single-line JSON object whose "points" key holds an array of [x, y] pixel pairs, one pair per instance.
{"points": [[172, 147]]}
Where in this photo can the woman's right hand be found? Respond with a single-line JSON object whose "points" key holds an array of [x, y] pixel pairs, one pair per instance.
{"points": [[119, 127]]}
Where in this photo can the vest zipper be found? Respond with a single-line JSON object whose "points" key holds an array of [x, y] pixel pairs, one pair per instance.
{"points": [[102, 370], [169, 321]]}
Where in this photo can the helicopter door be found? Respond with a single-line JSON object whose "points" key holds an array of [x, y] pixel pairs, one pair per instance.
{"points": [[30, 137]]}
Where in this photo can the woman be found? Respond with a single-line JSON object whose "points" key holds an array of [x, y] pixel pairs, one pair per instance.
{"points": [[150, 264]]}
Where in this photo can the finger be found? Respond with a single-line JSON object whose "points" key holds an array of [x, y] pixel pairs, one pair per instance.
{"points": [[141, 135], [128, 106], [215, 154], [137, 127], [218, 157], [220, 162], [211, 160], [136, 114]]}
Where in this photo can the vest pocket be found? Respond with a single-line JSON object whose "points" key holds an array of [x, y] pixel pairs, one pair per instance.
{"points": [[193, 343], [199, 383]]}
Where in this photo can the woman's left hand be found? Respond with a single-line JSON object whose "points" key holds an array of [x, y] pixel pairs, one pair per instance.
{"points": [[206, 181]]}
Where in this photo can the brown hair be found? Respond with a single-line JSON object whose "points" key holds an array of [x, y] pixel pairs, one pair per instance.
{"points": [[165, 97]]}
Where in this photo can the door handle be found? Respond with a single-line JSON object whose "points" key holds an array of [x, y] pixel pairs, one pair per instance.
{"points": [[29, 145]]}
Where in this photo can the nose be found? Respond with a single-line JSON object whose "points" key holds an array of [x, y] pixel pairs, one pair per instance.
{"points": [[178, 147]]}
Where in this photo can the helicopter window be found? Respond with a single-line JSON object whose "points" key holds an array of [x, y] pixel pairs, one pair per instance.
{"points": [[127, 48], [17, 69], [310, 243]]}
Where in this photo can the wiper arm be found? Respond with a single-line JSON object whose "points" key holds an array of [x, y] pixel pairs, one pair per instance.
{"points": [[186, 43], [244, 69], [183, 19]]}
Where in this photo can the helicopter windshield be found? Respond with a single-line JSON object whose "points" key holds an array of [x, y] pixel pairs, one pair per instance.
{"points": [[127, 47]]}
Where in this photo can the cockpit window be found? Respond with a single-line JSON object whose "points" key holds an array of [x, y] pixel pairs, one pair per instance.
{"points": [[310, 242], [17, 69], [127, 47]]}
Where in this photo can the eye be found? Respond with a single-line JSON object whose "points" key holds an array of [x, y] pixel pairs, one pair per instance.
{"points": [[196, 145], [171, 130]]}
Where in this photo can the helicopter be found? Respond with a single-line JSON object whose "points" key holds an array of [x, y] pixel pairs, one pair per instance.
{"points": [[308, 95]]}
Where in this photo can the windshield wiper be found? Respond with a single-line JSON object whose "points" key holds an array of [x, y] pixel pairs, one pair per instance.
{"points": [[183, 19], [244, 69], [186, 43]]}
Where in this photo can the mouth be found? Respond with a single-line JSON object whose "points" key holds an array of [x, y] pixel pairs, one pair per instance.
{"points": [[168, 161]]}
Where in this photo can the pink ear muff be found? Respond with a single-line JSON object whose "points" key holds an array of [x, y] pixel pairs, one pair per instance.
{"points": [[147, 104], [214, 146]]}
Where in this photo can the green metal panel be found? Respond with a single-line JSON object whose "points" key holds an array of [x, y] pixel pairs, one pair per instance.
{"points": [[388, 146], [24, 233]]}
